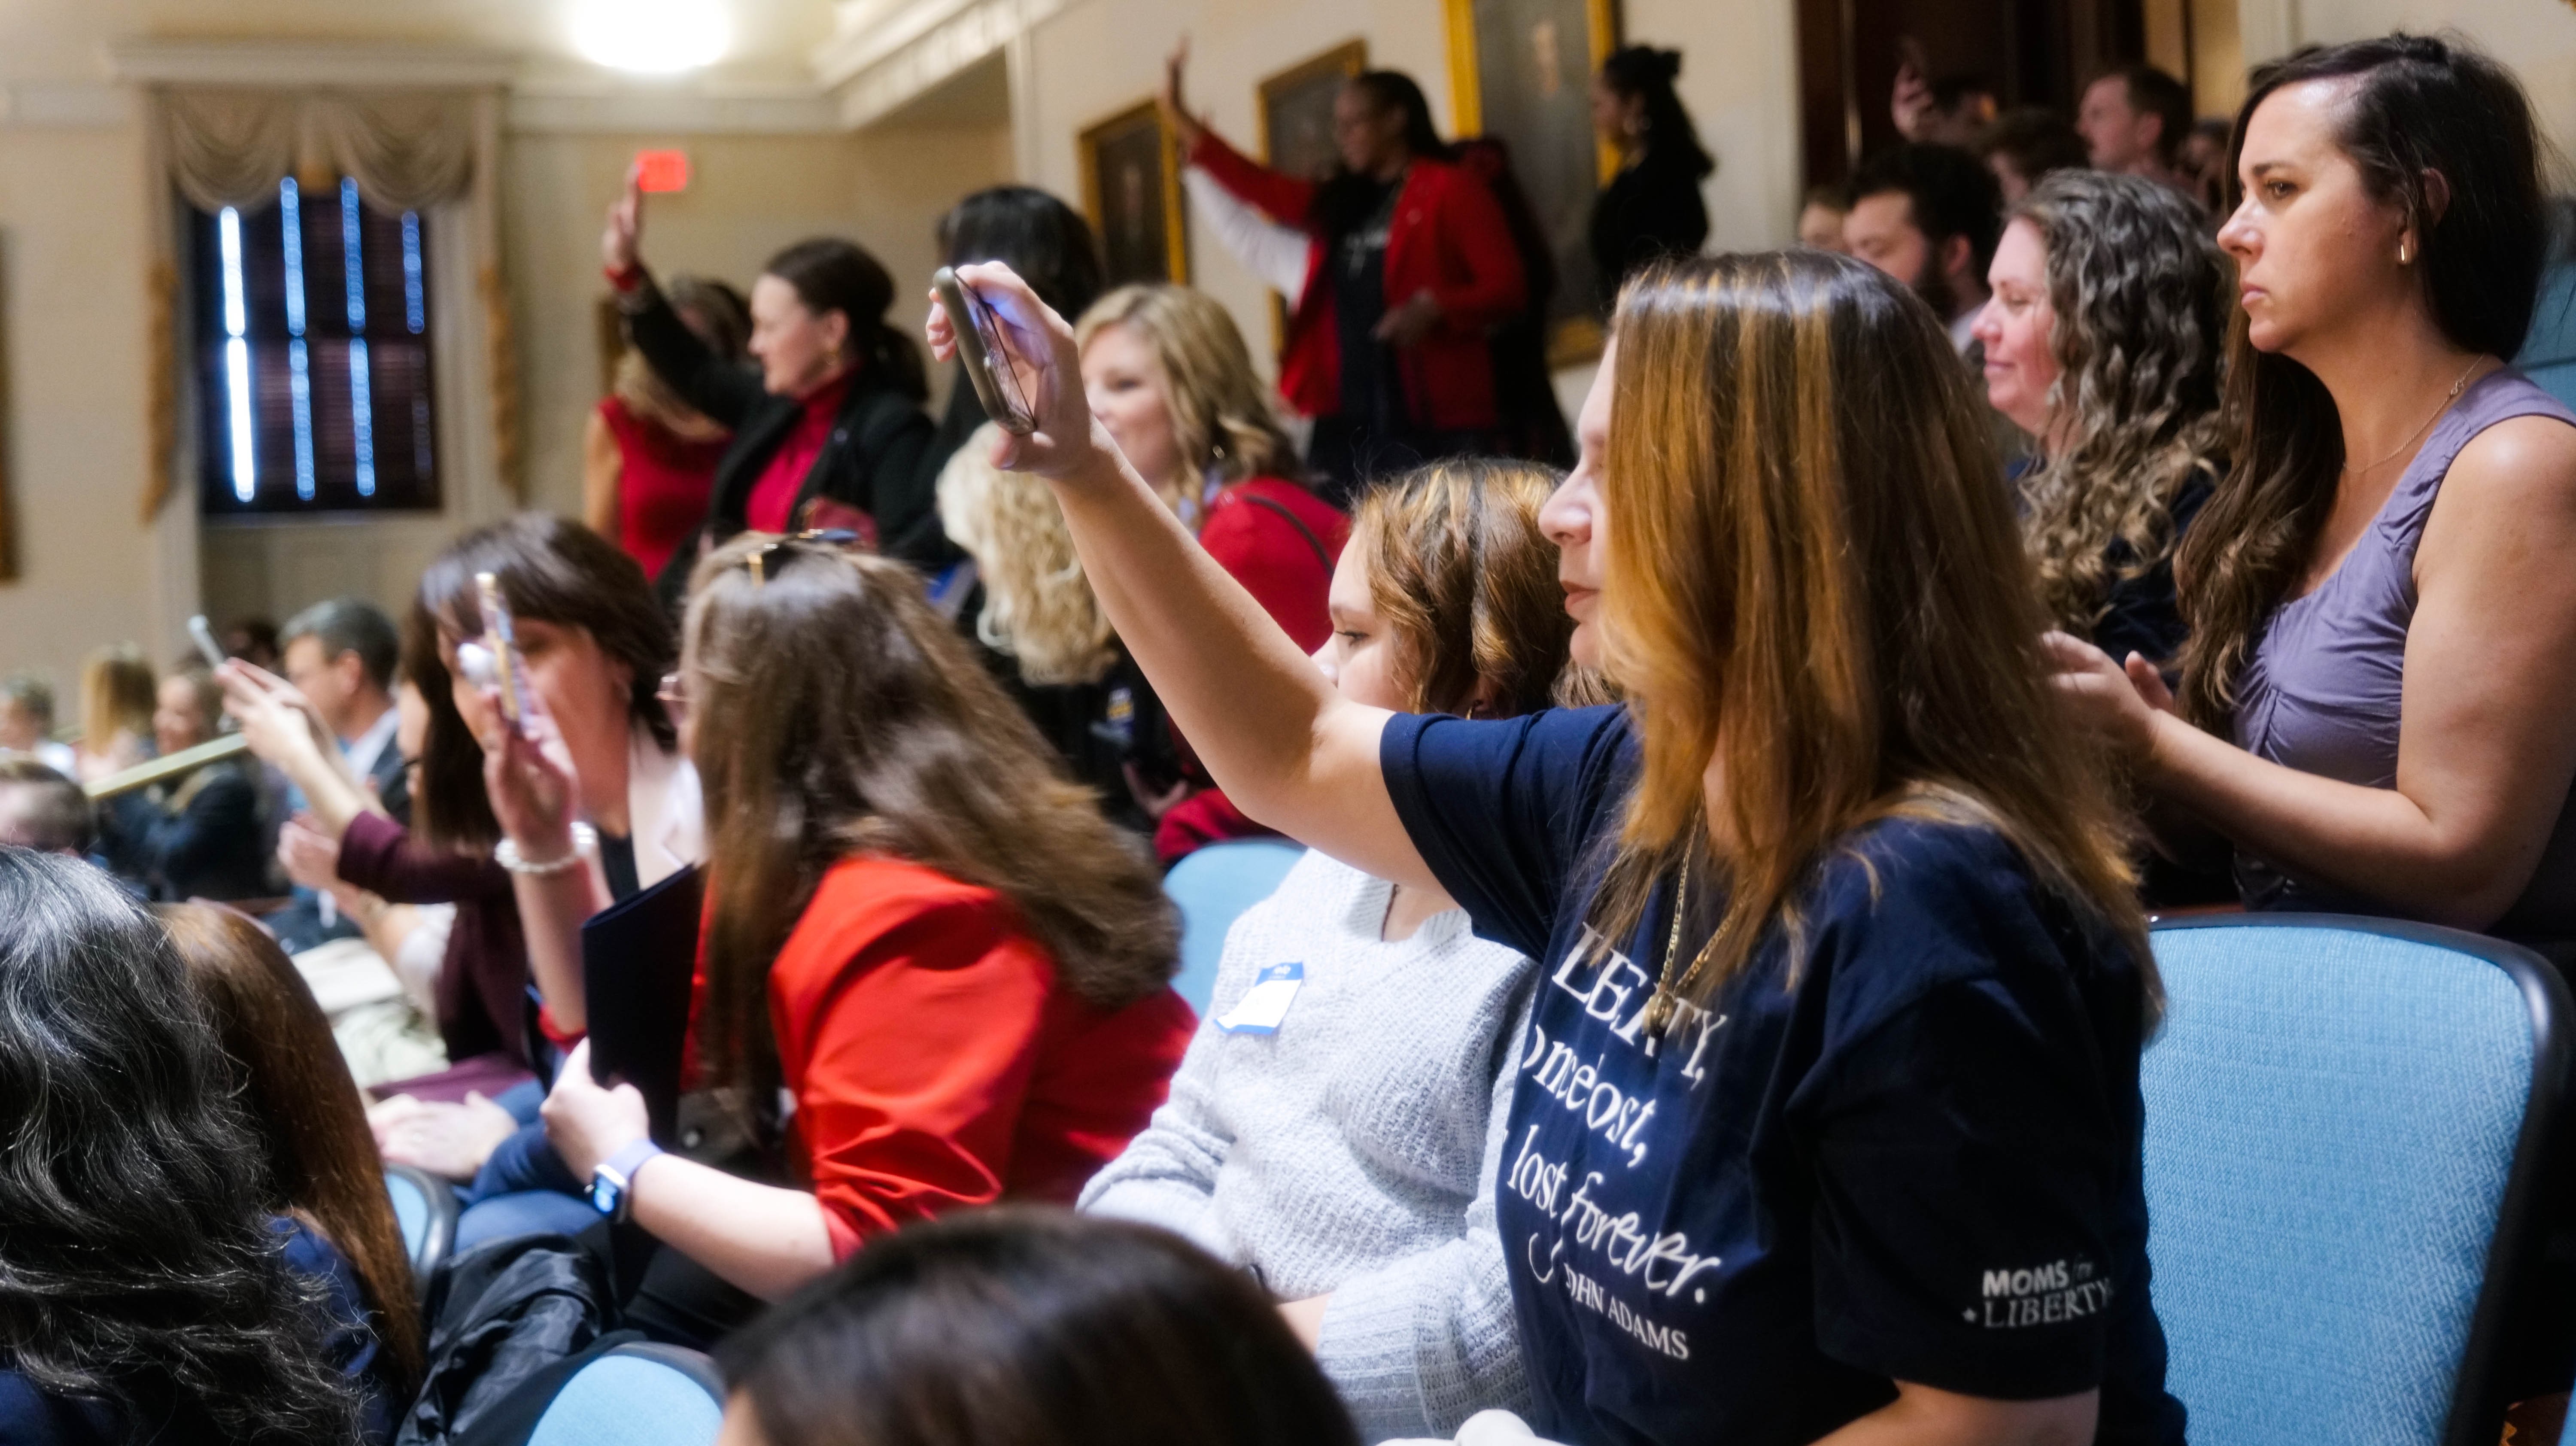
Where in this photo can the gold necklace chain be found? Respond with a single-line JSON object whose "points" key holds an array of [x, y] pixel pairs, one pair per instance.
{"points": [[1666, 1001], [2448, 397]]}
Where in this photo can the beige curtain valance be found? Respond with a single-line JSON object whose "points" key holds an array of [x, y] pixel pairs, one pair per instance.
{"points": [[408, 150]]}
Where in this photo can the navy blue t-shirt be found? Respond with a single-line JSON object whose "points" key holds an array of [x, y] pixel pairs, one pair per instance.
{"points": [[1912, 1156]]}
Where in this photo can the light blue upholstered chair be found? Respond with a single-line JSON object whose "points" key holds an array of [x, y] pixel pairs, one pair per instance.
{"points": [[2347, 1125], [636, 1395], [1212, 887], [425, 1209]]}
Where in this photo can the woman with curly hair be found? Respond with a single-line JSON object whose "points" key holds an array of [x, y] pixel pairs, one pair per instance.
{"points": [[146, 1293], [2103, 341]]}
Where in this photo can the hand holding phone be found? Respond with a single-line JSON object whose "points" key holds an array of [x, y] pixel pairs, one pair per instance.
{"points": [[986, 355], [207, 648], [501, 638]]}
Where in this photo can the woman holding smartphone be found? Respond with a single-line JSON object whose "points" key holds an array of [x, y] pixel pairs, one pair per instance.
{"points": [[1827, 1127]]}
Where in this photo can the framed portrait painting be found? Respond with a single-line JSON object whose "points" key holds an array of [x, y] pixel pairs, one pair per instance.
{"points": [[1131, 187], [1296, 110], [1521, 72], [1294, 120]]}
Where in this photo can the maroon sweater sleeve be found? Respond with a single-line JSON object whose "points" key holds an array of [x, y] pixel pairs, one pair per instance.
{"points": [[381, 857]]}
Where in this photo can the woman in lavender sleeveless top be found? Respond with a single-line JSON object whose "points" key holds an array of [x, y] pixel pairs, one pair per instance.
{"points": [[2382, 667]]}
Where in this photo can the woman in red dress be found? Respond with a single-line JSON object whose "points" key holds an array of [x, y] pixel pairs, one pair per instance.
{"points": [[648, 459]]}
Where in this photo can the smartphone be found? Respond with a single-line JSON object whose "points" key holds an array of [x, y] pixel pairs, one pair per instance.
{"points": [[207, 648], [503, 642], [988, 361]]}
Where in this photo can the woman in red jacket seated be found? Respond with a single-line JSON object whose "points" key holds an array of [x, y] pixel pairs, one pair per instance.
{"points": [[931, 974], [1165, 370], [1389, 348]]}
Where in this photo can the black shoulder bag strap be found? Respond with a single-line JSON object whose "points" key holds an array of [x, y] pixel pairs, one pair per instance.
{"points": [[1323, 557]]}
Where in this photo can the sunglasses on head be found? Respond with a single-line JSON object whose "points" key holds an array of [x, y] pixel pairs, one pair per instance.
{"points": [[757, 560]]}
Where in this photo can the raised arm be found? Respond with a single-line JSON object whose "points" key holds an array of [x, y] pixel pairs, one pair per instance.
{"points": [[714, 386], [1287, 748]]}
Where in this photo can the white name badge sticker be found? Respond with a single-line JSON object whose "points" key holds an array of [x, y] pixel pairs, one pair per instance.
{"points": [[1266, 1002]]}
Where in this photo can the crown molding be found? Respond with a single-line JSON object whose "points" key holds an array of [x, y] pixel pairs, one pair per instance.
{"points": [[602, 110], [883, 53], [307, 63]]}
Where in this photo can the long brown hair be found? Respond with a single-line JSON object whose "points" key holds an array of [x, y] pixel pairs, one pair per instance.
{"points": [[2140, 295], [1466, 581], [550, 569], [321, 1157], [118, 695], [834, 713], [2419, 107], [1816, 586]]}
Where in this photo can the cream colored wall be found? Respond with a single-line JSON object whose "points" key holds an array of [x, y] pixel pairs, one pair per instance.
{"points": [[71, 268], [748, 197], [2536, 37]]}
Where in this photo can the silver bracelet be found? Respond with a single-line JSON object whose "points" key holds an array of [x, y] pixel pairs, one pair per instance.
{"points": [[585, 841]]}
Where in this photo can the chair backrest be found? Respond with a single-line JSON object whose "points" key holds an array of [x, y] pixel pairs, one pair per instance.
{"points": [[1212, 887], [2347, 1125], [425, 1208], [636, 1395]]}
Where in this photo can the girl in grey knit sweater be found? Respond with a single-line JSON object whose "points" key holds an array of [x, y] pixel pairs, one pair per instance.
{"points": [[1336, 1125]]}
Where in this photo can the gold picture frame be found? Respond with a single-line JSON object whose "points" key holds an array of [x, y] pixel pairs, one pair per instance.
{"points": [[1143, 227], [1287, 105], [1539, 105]]}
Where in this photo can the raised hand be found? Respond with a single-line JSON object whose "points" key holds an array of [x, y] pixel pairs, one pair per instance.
{"points": [[625, 232], [1168, 101], [528, 773], [1041, 351]]}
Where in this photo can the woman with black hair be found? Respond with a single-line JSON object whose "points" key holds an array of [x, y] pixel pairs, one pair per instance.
{"points": [[1653, 206], [829, 432], [1389, 348], [145, 1292], [1041, 238], [1034, 1327]]}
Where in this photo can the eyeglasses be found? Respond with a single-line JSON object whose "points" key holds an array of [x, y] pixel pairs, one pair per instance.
{"points": [[758, 558]]}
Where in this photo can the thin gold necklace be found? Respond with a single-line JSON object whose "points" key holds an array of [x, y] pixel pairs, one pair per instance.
{"points": [[2448, 397], [1666, 1001]]}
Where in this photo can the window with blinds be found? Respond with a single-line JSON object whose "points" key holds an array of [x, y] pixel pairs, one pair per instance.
{"points": [[314, 370]]}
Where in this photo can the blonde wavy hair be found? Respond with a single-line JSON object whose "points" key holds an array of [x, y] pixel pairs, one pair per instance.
{"points": [[1038, 607], [1223, 419]]}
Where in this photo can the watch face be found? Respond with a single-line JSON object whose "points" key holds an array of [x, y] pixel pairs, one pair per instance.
{"points": [[603, 1197]]}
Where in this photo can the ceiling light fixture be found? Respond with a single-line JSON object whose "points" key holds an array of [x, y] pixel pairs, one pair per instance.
{"points": [[652, 37]]}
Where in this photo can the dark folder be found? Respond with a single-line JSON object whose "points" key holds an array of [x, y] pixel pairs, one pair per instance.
{"points": [[638, 959]]}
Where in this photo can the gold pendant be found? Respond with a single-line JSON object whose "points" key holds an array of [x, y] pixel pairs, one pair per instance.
{"points": [[1659, 1012]]}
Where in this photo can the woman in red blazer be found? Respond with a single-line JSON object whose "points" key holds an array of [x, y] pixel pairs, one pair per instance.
{"points": [[1389, 347], [932, 976]]}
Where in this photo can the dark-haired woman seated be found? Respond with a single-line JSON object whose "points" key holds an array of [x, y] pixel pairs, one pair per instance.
{"points": [[1827, 1124], [934, 975], [1031, 1327], [145, 1291], [323, 1172], [2383, 655], [2103, 338], [829, 431]]}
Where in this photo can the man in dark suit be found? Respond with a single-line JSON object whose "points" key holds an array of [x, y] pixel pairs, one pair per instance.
{"points": [[341, 656]]}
